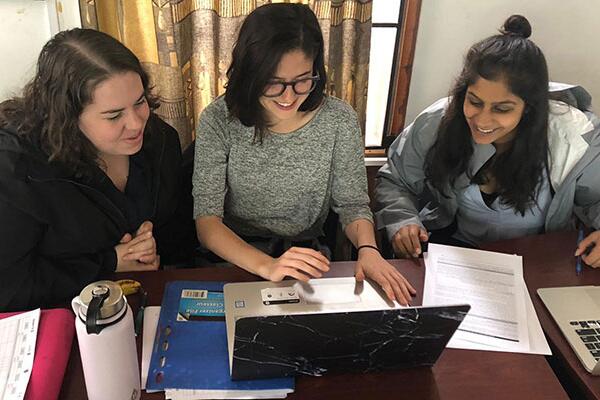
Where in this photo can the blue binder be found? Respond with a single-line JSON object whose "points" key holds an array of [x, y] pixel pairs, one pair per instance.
{"points": [[190, 348]]}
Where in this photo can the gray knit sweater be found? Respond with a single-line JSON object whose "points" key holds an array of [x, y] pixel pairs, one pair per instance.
{"points": [[285, 186]]}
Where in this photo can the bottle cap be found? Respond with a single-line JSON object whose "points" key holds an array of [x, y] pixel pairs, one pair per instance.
{"points": [[114, 301]]}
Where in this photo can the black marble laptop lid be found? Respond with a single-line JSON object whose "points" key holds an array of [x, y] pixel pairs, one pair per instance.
{"points": [[364, 341]]}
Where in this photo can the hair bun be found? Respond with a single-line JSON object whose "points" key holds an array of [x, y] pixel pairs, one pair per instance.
{"points": [[516, 25]]}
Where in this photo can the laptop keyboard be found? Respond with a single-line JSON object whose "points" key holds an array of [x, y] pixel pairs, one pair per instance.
{"points": [[589, 333]]}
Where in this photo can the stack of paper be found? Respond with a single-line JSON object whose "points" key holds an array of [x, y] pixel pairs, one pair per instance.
{"points": [[18, 335], [189, 358], [181, 394], [151, 314], [502, 317], [55, 329]]}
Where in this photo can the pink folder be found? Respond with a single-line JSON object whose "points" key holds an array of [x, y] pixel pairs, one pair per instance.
{"points": [[52, 350]]}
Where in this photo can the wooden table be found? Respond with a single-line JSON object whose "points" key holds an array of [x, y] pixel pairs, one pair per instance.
{"points": [[548, 261], [458, 374]]}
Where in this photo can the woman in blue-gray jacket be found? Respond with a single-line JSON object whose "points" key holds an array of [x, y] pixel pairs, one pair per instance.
{"points": [[501, 158]]}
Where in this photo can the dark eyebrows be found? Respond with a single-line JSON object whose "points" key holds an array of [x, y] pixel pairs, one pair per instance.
{"points": [[296, 77], [473, 94], [496, 104], [121, 109]]}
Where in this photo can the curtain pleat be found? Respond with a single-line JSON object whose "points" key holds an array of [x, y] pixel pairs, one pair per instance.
{"points": [[185, 46]]}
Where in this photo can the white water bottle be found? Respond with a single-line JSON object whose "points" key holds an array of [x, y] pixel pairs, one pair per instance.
{"points": [[104, 325]]}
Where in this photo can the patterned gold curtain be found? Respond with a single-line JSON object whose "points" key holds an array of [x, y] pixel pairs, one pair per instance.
{"points": [[185, 45]]}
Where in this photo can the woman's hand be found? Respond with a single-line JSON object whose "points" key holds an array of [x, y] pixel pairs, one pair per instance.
{"points": [[138, 253], [371, 265], [407, 241], [143, 246], [589, 250], [297, 262]]}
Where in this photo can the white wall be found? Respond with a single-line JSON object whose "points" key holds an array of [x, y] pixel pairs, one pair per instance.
{"points": [[24, 28], [568, 32]]}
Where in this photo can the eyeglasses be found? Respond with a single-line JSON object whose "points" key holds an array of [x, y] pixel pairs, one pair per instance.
{"points": [[299, 86]]}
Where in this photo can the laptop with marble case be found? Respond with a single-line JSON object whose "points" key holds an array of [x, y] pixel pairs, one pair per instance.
{"points": [[329, 325]]}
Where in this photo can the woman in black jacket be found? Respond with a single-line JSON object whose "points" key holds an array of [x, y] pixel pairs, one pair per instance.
{"points": [[90, 177]]}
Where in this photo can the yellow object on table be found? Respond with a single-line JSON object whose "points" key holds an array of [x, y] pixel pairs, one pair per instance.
{"points": [[129, 286]]}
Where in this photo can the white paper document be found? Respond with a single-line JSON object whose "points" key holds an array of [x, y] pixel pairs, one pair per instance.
{"points": [[151, 314], [537, 341], [18, 335], [502, 317], [186, 394]]}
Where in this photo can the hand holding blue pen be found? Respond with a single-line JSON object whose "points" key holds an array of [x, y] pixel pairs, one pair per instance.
{"points": [[578, 265], [586, 251]]}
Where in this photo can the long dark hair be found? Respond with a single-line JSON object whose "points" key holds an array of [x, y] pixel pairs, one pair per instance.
{"points": [[69, 68], [516, 60], [266, 35]]}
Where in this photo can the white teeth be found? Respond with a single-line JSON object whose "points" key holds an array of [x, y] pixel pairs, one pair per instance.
{"points": [[284, 104], [485, 130]]}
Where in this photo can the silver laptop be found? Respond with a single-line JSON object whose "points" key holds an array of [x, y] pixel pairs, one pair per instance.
{"points": [[329, 325], [576, 310]]}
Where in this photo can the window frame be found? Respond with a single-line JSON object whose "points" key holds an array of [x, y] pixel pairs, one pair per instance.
{"points": [[404, 52]]}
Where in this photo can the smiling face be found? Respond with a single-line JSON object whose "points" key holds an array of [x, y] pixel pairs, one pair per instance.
{"points": [[293, 66], [492, 111], [115, 119]]}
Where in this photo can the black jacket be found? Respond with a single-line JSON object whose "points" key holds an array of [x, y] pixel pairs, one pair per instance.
{"points": [[57, 233]]}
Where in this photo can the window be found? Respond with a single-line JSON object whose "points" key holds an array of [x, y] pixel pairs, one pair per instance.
{"points": [[393, 39]]}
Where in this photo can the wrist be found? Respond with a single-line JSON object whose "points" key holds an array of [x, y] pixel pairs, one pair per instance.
{"points": [[265, 267], [118, 257], [367, 247]]}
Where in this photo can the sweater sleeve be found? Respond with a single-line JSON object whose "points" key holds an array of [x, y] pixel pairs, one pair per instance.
{"points": [[350, 197], [401, 180], [587, 187], [210, 162]]}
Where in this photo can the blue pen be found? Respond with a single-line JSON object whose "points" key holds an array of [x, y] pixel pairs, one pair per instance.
{"points": [[578, 264]]}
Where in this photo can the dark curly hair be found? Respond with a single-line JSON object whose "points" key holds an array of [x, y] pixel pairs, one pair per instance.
{"points": [[266, 35], [516, 60], [69, 68]]}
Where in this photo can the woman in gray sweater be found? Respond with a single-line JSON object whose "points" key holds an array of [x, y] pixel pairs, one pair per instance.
{"points": [[274, 155]]}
